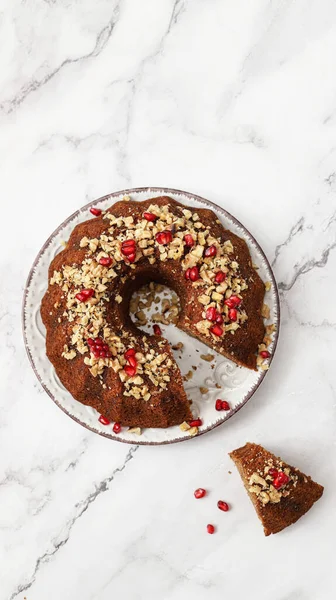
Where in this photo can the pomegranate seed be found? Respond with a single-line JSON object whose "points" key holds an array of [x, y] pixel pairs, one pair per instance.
{"points": [[150, 216], [129, 242], [216, 330], [103, 420], [273, 473], [85, 295], [225, 405], [265, 354], [157, 329], [199, 493], [116, 428], [128, 250], [187, 274], [91, 341], [131, 257], [220, 276], [280, 480], [106, 261], [223, 505], [194, 274], [196, 423], [130, 352], [210, 251], [132, 361], [130, 371], [232, 302], [233, 314], [218, 405], [164, 237], [95, 211], [189, 240], [211, 313], [219, 319], [210, 528], [98, 342]]}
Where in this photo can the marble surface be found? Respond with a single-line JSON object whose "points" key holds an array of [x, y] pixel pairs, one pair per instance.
{"points": [[235, 101]]}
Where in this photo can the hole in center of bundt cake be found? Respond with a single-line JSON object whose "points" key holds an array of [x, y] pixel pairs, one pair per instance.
{"points": [[153, 307]]}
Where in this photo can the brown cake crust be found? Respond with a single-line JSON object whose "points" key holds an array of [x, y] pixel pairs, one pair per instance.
{"points": [[170, 406], [303, 492]]}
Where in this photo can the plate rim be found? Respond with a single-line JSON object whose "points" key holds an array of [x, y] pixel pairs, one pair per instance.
{"points": [[167, 191]]}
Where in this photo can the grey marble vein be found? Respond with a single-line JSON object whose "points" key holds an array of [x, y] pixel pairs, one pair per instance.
{"points": [[101, 42], [82, 507], [309, 265], [293, 232]]}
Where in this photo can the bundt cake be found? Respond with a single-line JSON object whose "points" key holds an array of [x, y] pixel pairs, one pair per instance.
{"points": [[100, 356], [281, 494]]}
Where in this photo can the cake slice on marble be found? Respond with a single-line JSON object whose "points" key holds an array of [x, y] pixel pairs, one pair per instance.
{"points": [[280, 493]]}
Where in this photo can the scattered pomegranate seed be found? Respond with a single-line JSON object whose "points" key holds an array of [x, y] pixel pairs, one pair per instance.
{"points": [[157, 329], [210, 251], [273, 472], [106, 261], [130, 352], [232, 302], [116, 428], [130, 371], [280, 480], [196, 423], [223, 505], [216, 330], [132, 361], [211, 313], [164, 237], [219, 319], [222, 405], [187, 274], [99, 348], [194, 274], [220, 276], [85, 295], [131, 258], [95, 211], [103, 420], [189, 240], [128, 250], [150, 216], [233, 314], [199, 493], [210, 528], [265, 354]]}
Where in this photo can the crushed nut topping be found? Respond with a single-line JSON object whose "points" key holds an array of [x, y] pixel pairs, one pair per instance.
{"points": [[207, 262], [273, 483]]}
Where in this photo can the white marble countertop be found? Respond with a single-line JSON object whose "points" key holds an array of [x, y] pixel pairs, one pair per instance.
{"points": [[235, 101]]}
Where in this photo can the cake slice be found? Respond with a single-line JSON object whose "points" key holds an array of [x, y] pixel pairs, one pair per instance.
{"points": [[281, 494]]}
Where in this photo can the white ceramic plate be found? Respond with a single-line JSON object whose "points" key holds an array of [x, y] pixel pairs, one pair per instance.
{"points": [[238, 384]]}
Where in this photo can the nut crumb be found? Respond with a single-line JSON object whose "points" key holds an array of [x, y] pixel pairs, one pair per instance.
{"points": [[136, 430], [204, 390], [178, 346], [207, 357], [265, 311]]}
